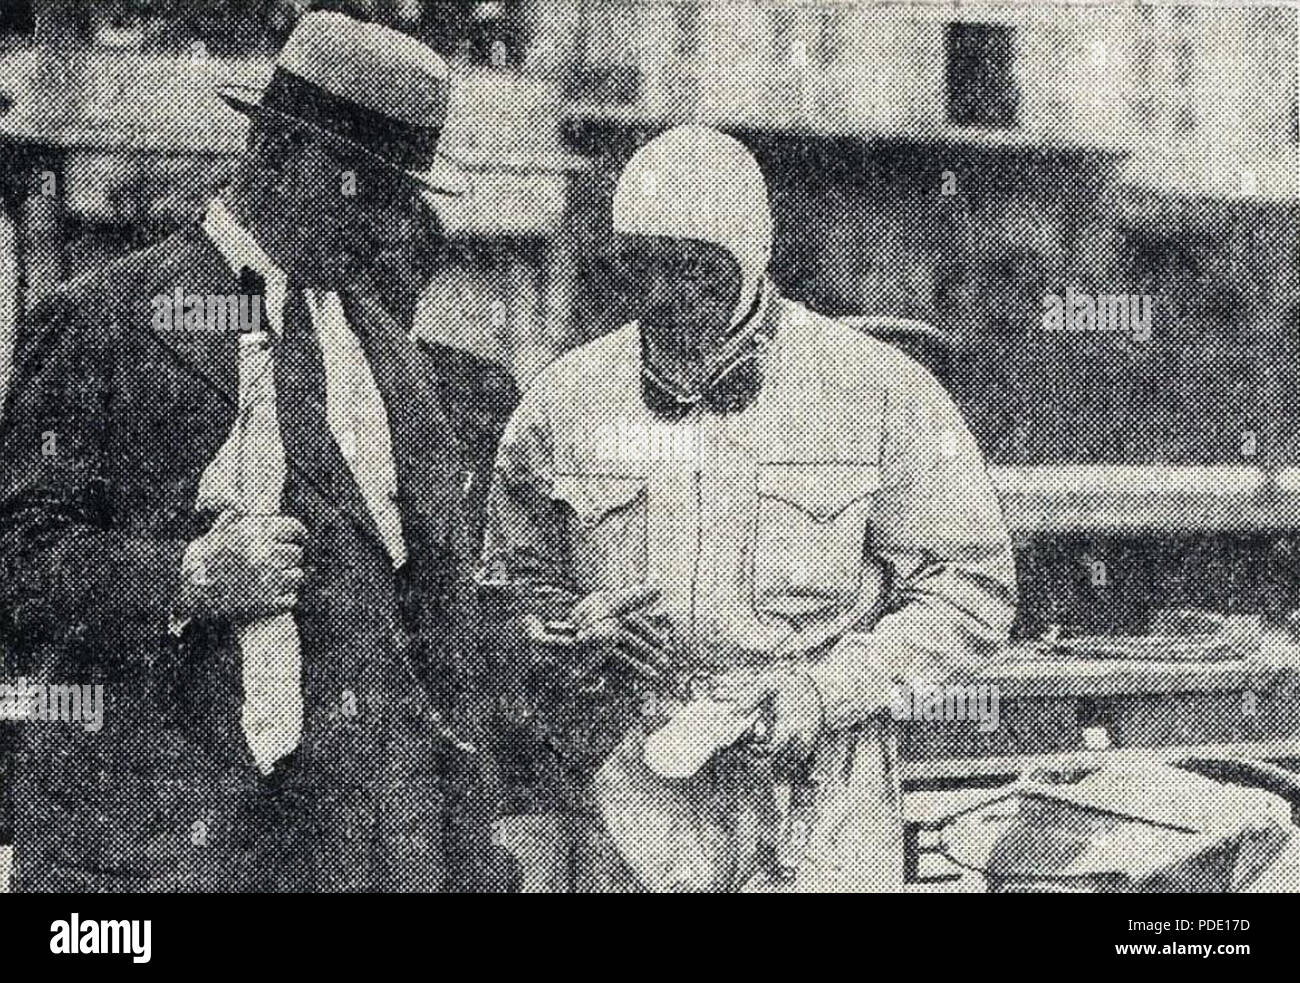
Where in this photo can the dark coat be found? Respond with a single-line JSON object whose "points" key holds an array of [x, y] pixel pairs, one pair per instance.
{"points": [[477, 396], [108, 429]]}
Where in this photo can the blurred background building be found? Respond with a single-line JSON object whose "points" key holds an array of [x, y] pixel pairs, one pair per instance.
{"points": [[950, 163]]}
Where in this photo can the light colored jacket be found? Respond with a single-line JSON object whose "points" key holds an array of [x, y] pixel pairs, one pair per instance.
{"points": [[844, 516]]}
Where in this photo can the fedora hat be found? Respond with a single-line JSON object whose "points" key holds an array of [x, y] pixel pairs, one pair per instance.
{"points": [[380, 92]]}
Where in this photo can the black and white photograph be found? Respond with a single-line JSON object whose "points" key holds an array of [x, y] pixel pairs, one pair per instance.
{"points": [[650, 446]]}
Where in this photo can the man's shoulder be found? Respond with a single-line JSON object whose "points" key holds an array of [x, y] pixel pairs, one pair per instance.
{"points": [[91, 307], [850, 358], [123, 278], [601, 358]]}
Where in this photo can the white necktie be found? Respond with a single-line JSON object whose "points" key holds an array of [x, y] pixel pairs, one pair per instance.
{"points": [[248, 475], [272, 713]]}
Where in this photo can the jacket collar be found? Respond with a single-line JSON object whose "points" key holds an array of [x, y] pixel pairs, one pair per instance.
{"points": [[423, 453]]}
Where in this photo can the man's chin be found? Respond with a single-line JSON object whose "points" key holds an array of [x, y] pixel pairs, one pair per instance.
{"points": [[673, 343], [684, 383]]}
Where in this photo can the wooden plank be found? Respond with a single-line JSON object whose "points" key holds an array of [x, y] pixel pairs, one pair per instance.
{"points": [[1020, 678], [1064, 498], [1019, 764]]}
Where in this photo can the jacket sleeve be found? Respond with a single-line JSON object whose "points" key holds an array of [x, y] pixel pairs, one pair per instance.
{"points": [[70, 573], [525, 542], [939, 531]]}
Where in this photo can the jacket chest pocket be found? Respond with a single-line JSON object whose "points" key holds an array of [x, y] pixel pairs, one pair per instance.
{"points": [[608, 528], [810, 537]]}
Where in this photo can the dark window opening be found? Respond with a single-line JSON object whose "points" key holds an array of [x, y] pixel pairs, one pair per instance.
{"points": [[980, 76], [686, 24]]}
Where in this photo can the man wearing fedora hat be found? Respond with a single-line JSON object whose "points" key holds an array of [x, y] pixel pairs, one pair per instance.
{"points": [[252, 530]]}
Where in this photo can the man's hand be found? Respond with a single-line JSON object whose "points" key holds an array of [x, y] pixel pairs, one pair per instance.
{"points": [[244, 568], [797, 717], [610, 625]]}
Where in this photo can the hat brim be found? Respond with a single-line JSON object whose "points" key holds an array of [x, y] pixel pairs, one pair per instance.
{"points": [[444, 177]]}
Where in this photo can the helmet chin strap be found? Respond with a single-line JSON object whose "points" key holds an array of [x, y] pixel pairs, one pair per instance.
{"points": [[739, 340], [752, 284]]}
